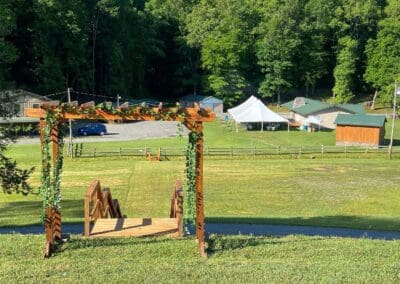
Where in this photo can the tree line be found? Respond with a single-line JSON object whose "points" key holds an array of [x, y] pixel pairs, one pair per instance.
{"points": [[228, 48]]}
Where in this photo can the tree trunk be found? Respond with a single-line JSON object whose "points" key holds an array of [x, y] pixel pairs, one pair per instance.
{"points": [[374, 99], [279, 98]]}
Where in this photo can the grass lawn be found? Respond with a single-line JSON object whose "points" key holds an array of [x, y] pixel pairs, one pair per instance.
{"points": [[358, 193], [344, 192], [236, 259]]}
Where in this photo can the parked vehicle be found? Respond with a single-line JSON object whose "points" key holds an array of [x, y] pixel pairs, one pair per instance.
{"points": [[92, 129]]}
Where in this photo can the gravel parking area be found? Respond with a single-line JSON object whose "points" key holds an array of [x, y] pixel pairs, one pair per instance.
{"points": [[124, 132]]}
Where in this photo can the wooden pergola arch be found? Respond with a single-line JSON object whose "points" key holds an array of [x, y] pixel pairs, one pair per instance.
{"points": [[192, 118]]}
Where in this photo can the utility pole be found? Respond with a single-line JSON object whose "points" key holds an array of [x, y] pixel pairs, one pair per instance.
{"points": [[394, 116], [118, 97], [70, 147]]}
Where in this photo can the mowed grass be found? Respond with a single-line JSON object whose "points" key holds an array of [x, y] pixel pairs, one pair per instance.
{"points": [[345, 192], [355, 193], [237, 259]]}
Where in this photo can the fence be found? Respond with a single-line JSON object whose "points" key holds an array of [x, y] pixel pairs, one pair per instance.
{"points": [[292, 151]]}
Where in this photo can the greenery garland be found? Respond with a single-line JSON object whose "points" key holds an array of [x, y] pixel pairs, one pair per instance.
{"points": [[50, 189], [159, 113], [190, 185]]}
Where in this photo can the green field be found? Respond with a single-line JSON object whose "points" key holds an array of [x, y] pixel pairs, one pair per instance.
{"points": [[343, 192], [359, 193], [236, 259]]}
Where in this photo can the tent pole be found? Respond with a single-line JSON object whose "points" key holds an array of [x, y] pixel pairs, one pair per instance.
{"points": [[288, 127], [262, 126]]}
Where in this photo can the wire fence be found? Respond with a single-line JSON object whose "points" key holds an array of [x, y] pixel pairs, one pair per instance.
{"points": [[80, 151]]}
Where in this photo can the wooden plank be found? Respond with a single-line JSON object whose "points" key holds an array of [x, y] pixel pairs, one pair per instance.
{"points": [[134, 227], [190, 114]]}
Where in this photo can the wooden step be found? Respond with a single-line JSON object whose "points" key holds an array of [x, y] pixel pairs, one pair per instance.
{"points": [[134, 227]]}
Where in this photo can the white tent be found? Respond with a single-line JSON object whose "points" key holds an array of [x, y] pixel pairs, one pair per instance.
{"points": [[253, 110], [239, 108]]}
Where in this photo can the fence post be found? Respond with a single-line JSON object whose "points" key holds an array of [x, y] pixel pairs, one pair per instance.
{"points": [[120, 151], [300, 150], [366, 149], [145, 151], [322, 150], [254, 151], [345, 150], [279, 150]]}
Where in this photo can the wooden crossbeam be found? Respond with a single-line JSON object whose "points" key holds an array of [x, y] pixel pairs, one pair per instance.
{"points": [[191, 114]]}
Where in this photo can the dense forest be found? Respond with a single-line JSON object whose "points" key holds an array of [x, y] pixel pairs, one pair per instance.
{"points": [[228, 48]]}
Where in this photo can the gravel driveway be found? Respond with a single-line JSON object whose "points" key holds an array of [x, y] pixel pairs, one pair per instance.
{"points": [[124, 132]]}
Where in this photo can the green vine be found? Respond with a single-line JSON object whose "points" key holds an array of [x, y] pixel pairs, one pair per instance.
{"points": [[50, 189], [190, 185], [159, 113]]}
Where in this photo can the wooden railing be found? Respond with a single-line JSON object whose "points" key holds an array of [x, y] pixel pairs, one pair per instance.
{"points": [[99, 204], [156, 154], [177, 206]]}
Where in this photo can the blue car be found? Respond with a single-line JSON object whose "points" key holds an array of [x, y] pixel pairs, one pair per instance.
{"points": [[92, 129]]}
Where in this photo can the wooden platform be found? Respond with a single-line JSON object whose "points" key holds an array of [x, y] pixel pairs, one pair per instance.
{"points": [[134, 227]]}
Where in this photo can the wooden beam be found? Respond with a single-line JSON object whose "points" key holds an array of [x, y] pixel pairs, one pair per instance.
{"points": [[200, 226], [190, 114]]}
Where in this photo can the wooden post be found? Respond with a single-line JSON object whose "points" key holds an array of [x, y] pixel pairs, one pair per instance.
{"points": [[55, 214], [393, 120], [178, 196], [87, 216], [49, 245], [200, 229]]}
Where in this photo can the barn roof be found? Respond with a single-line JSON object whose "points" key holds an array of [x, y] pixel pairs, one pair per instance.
{"points": [[23, 93], [353, 108], [361, 120], [211, 99], [306, 106]]}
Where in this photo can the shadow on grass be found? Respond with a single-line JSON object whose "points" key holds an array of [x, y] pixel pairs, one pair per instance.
{"points": [[84, 243], [27, 213], [338, 221], [221, 243]]}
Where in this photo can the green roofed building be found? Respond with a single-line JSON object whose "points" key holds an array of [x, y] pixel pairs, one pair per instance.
{"points": [[302, 108], [360, 129]]}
